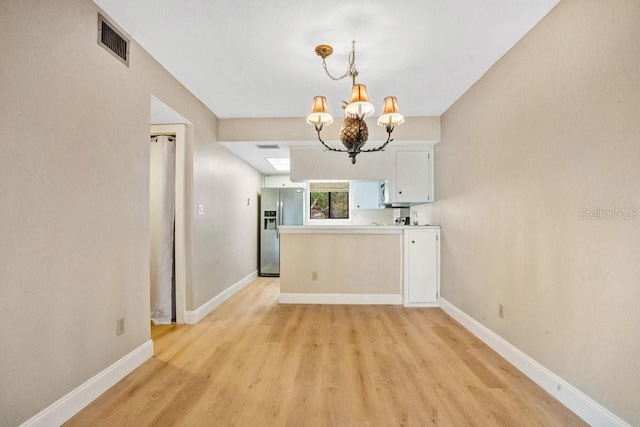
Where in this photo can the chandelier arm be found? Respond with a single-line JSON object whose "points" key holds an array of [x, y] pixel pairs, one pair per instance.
{"points": [[318, 129], [380, 148]]}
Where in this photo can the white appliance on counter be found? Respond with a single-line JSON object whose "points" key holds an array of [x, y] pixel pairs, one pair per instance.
{"points": [[278, 206]]}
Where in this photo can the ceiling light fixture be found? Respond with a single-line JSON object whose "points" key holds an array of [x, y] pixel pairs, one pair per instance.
{"points": [[354, 132], [281, 164]]}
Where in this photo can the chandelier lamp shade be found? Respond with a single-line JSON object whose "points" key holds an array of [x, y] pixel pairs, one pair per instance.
{"points": [[390, 112], [319, 112], [354, 132], [359, 105]]}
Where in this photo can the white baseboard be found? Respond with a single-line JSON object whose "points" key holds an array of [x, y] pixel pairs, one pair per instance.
{"points": [[422, 305], [374, 299], [66, 407], [582, 405], [193, 317]]}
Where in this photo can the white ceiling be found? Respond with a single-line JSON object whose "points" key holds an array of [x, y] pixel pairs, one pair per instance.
{"points": [[256, 58]]}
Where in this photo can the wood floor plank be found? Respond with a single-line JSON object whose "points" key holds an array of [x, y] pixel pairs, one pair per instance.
{"points": [[253, 362]]}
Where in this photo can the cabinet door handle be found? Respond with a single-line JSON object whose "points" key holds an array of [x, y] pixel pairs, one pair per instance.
{"points": [[399, 192], [413, 241]]}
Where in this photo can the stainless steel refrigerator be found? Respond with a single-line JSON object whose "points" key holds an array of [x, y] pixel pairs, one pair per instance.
{"points": [[278, 206]]}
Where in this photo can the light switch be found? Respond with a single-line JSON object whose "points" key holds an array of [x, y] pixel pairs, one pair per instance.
{"points": [[200, 209]]}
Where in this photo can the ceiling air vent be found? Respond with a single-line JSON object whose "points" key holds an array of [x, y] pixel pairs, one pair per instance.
{"points": [[267, 146], [112, 40]]}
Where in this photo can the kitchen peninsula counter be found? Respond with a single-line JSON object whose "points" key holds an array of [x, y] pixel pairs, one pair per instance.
{"points": [[342, 264], [353, 229]]}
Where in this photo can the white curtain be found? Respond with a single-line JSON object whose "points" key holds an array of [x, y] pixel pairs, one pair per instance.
{"points": [[162, 211]]}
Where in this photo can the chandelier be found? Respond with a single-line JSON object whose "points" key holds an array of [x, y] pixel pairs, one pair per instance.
{"points": [[354, 131]]}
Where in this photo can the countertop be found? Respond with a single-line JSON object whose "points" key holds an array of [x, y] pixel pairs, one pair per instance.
{"points": [[352, 229]]}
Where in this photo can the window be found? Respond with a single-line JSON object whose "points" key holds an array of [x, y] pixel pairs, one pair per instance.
{"points": [[328, 201]]}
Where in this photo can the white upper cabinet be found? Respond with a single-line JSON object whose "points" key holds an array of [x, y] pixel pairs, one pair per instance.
{"points": [[368, 194], [408, 170], [414, 177]]}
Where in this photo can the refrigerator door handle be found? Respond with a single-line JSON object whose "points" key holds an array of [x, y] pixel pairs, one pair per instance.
{"points": [[281, 213], [279, 220]]}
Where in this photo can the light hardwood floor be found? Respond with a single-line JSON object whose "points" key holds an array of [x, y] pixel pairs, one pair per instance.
{"points": [[253, 362]]}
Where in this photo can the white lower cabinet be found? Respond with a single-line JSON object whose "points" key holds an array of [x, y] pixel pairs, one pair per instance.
{"points": [[421, 270]]}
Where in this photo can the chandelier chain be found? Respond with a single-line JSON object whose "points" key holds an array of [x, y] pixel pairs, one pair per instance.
{"points": [[351, 71]]}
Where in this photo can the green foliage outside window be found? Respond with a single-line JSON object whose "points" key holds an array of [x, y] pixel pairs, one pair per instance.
{"points": [[329, 200]]}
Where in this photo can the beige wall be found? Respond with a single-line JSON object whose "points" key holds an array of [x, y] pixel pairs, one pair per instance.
{"points": [[552, 128], [74, 201]]}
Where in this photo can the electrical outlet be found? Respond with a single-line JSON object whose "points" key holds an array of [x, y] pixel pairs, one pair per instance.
{"points": [[500, 311], [120, 329], [314, 275]]}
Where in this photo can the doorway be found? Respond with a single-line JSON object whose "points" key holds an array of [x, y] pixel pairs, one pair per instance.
{"points": [[178, 133]]}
